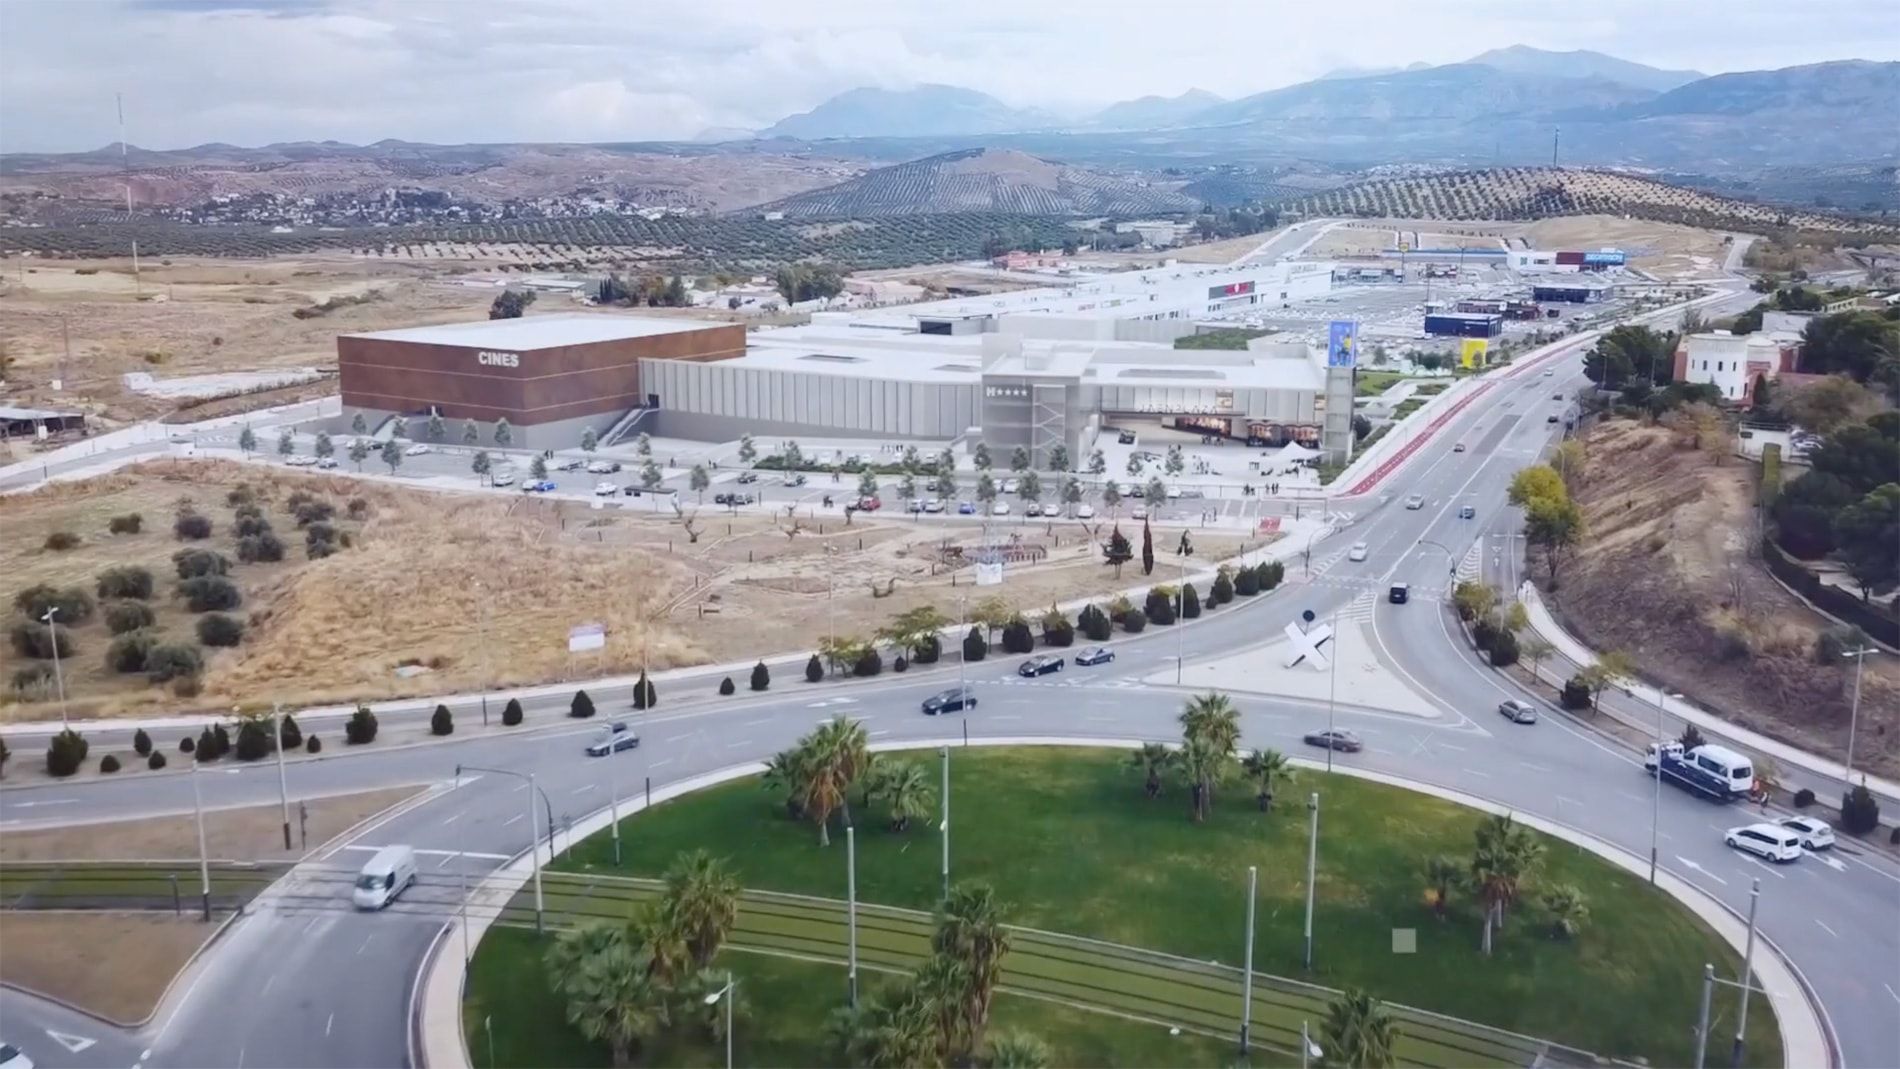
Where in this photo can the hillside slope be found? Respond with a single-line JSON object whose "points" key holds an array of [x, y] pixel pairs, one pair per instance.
{"points": [[984, 180], [924, 111], [1582, 63], [1457, 92], [1541, 192]]}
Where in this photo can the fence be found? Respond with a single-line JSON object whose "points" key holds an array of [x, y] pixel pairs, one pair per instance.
{"points": [[1882, 627]]}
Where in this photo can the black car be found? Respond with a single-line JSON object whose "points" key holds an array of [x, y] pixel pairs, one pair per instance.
{"points": [[1336, 739], [630, 491], [1400, 593], [722, 499], [1126, 438], [1039, 666], [953, 700], [748, 477], [613, 739]]}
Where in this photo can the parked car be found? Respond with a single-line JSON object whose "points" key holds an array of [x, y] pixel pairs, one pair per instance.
{"points": [[1174, 493], [606, 489], [501, 478], [326, 463], [1552, 418], [418, 449], [539, 486], [1415, 502], [1549, 371], [1814, 834], [1399, 594], [722, 499], [953, 700], [630, 490], [1517, 712], [1094, 655], [613, 738], [933, 505], [1358, 552], [1040, 666], [1466, 512], [913, 505], [870, 504], [299, 461], [1000, 508], [603, 467], [794, 480], [1556, 396], [1135, 490], [748, 477], [1770, 841], [570, 464], [1138, 513], [1126, 437], [966, 508], [1010, 486], [1335, 739], [1085, 512]]}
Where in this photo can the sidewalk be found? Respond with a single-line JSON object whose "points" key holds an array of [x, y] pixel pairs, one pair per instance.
{"points": [[1788, 757]]}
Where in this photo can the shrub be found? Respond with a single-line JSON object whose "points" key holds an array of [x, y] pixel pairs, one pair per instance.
{"points": [[297, 499], [164, 663], [1803, 798], [1483, 633], [1094, 623], [645, 696], [186, 687], [1222, 591], [1057, 630], [1190, 602], [33, 681], [65, 753], [727, 688], [222, 737], [60, 541], [125, 616], [929, 651], [1504, 650], [208, 593], [1158, 607], [899, 664], [975, 647], [1269, 574], [312, 511], [130, 523], [253, 739], [581, 707], [1893, 838], [33, 639], [318, 550], [130, 651], [250, 523], [155, 761], [313, 744], [128, 581], [190, 526], [192, 563], [207, 750], [109, 764], [814, 669], [761, 676], [1860, 810], [1576, 693], [1246, 583], [360, 728], [441, 722], [1135, 622], [186, 745], [870, 664], [357, 509], [1118, 607], [141, 742], [1016, 637], [292, 734], [511, 713], [217, 629], [74, 604], [240, 495], [260, 548]]}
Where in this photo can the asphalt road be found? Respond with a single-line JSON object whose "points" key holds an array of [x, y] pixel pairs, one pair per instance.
{"points": [[331, 987]]}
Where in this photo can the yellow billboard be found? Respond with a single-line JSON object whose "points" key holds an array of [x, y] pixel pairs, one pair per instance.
{"points": [[1471, 353]]}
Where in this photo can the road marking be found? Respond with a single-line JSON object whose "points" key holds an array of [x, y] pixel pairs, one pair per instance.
{"points": [[1534, 768], [1831, 862], [511, 820], [240, 1061], [1830, 931], [1475, 772], [366, 941], [876, 734], [327, 1025], [739, 743], [676, 738], [583, 789], [447, 853], [1634, 797], [1012, 717], [1687, 864], [271, 979], [1568, 801], [451, 818], [661, 763], [1891, 991], [1449, 746], [73, 1043], [45, 801]]}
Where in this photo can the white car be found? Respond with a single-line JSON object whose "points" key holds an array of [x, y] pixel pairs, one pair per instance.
{"points": [[326, 462], [502, 478], [1814, 834], [417, 450], [1549, 371], [600, 467], [1358, 551], [605, 489], [933, 505], [1138, 513], [1032, 509], [12, 1057], [300, 461], [1085, 512], [1770, 841], [1415, 502], [1174, 493], [1001, 508], [1010, 486]]}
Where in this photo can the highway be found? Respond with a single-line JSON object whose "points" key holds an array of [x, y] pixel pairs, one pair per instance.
{"points": [[331, 987]]}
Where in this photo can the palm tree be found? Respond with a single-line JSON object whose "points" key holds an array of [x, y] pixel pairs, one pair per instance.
{"points": [[1358, 1032], [908, 791], [658, 932], [611, 996], [842, 748], [1018, 1050], [1202, 766], [1441, 873], [785, 771], [970, 931], [893, 1029], [1490, 878], [1212, 717], [1568, 910], [942, 984], [1266, 768], [1149, 761], [702, 898]]}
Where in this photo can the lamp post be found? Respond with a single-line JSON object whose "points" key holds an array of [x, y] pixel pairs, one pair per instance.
{"points": [[1655, 804], [534, 831], [1312, 866], [59, 678], [481, 631], [851, 905], [283, 781], [1853, 716], [945, 826], [713, 999], [1748, 974], [1246, 976], [1332, 687], [204, 857]]}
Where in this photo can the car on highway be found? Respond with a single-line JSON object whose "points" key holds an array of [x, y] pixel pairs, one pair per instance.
{"points": [[1010, 486], [1814, 834], [794, 480], [1556, 396], [326, 463], [748, 477], [418, 449], [539, 486], [1549, 371], [1138, 513], [1085, 512], [1415, 502], [949, 701], [1335, 739], [1000, 508], [1459, 448], [299, 461], [1358, 552], [1040, 666], [933, 505], [1094, 655], [1517, 712], [1466, 512], [502, 478], [12, 1057], [1770, 841], [606, 489], [966, 508], [388, 873], [570, 464], [1552, 418], [611, 739], [603, 467], [1399, 594]]}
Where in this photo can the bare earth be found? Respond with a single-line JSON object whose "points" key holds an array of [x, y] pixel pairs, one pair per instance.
{"points": [[254, 833], [116, 965], [1667, 572], [433, 574]]}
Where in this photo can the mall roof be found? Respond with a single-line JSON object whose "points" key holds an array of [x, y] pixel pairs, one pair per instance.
{"points": [[541, 332]]}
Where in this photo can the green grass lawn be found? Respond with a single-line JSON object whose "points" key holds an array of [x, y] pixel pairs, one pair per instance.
{"points": [[1071, 845], [1372, 383], [783, 1004]]}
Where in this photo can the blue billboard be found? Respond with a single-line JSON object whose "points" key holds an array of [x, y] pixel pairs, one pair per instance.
{"points": [[1607, 258], [1340, 335]]}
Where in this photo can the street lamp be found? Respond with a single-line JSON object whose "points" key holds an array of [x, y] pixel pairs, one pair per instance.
{"points": [[1312, 865], [283, 781], [59, 679], [945, 826], [204, 857], [713, 1000], [1655, 805], [1853, 716], [534, 832]]}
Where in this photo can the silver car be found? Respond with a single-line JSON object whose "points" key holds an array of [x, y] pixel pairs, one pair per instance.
{"points": [[1517, 712]]}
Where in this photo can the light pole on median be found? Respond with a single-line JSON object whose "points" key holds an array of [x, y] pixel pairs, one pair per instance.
{"points": [[851, 904], [1332, 687], [1655, 804], [1312, 866], [945, 826], [59, 678], [481, 629], [1853, 715], [204, 857], [283, 779], [1246, 975], [1748, 973], [534, 832], [726, 993]]}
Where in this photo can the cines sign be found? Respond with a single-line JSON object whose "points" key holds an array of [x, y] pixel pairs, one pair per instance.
{"points": [[490, 358]]}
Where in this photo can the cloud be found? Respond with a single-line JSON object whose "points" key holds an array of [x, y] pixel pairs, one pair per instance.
{"points": [[255, 71]]}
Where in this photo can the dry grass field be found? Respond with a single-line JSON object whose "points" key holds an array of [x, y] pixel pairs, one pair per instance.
{"points": [[116, 965], [252, 833], [456, 590]]}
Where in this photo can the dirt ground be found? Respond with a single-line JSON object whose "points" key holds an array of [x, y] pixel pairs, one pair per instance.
{"points": [[1668, 573], [1660, 248], [254, 833], [116, 965], [461, 590]]}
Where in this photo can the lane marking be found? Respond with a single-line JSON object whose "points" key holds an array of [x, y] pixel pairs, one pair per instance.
{"points": [[366, 942], [661, 763], [511, 820], [582, 789], [1831, 932], [1891, 991], [676, 738], [327, 1025], [1475, 772], [739, 743], [452, 818], [757, 723]]}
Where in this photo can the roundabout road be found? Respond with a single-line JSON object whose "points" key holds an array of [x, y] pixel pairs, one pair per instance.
{"points": [[330, 987]]}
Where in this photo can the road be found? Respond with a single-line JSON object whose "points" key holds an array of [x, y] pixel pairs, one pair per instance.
{"points": [[331, 988]]}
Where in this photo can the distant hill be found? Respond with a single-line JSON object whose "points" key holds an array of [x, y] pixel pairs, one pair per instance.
{"points": [[984, 180], [1458, 92], [1542, 192], [1368, 72], [1817, 87], [1153, 112], [925, 111], [1523, 59]]}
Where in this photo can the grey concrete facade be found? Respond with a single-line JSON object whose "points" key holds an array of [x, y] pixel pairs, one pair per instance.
{"points": [[794, 402]]}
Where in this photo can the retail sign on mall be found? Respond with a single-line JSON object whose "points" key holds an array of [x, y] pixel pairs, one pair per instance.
{"points": [[1340, 336], [490, 358]]}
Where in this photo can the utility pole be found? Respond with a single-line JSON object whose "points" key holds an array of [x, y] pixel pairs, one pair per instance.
{"points": [[204, 857], [1702, 1019], [283, 782], [125, 167], [851, 904], [1332, 687], [1246, 976], [1853, 715], [613, 802], [1748, 975], [945, 826], [1555, 133], [59, 678], [1655, 803], [1312, 866], [481, 625]]}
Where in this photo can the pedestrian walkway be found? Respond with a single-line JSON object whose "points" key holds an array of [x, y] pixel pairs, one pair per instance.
{"points": [[1104, 977]]}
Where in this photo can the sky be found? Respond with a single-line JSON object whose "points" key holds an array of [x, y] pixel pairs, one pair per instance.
{"points": [[250, 72]]}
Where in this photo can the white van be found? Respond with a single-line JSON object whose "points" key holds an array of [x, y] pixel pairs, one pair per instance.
{"points": [[386, 875], [1736, 772]]}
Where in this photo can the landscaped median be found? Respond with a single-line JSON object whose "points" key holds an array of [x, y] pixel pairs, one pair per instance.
{"points": [[1132, 910]]}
